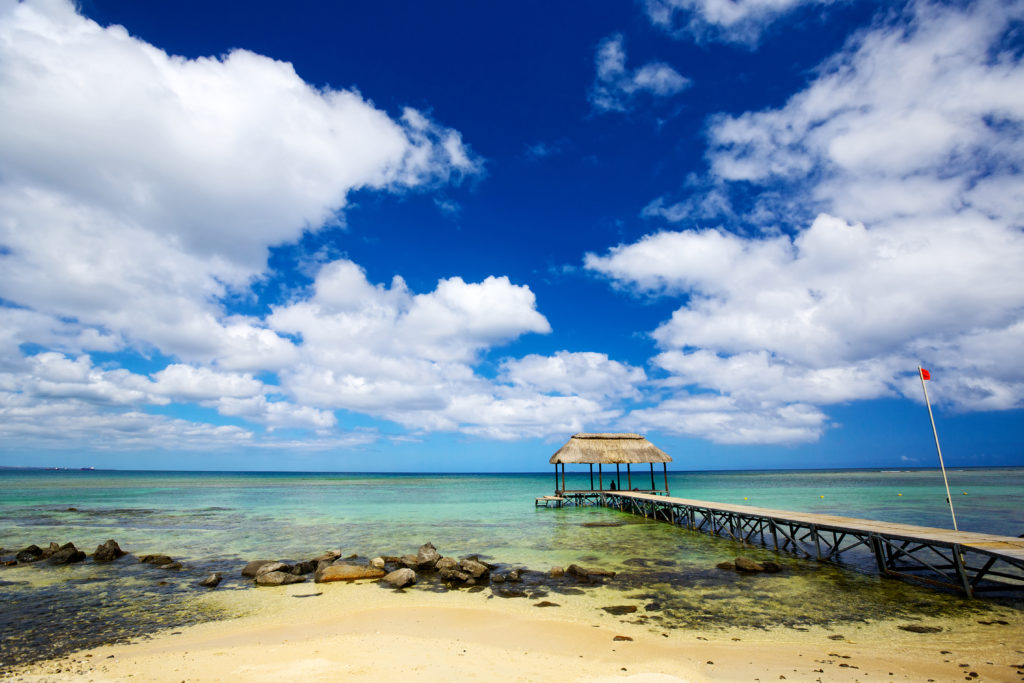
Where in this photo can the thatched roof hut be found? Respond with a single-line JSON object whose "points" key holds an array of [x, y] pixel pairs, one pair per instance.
{"points": [[609, 449]]}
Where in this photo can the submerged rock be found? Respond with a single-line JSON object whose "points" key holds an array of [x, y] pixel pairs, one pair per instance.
{"points": [[211, 581], [731, 566], [918, 628], [620, 609], [588, 575], [400, 578], [347, 572], [744, 564], [159, 560], [771, 567], [278, 578], [108, 552], [556, 572]]}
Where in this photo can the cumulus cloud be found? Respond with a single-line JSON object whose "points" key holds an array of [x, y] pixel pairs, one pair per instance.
{"points": [[740, 21], [902, 154], [583, 373], [616, 87], [139, 188]]}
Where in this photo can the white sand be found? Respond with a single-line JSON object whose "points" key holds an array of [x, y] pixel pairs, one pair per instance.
{"points": [[364, 632]]}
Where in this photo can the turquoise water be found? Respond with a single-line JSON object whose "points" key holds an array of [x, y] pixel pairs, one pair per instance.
{"points": [[219, 521]]}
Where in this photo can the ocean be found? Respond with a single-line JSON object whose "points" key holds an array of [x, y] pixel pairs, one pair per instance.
{"points": [[218, 521]]}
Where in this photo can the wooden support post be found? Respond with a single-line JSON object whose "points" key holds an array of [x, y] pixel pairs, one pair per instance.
{"points": [[775, 536], [591, 476], [600, 479], [652, 476], [961, 571], [629, 478], [556, 478], [664, 469], [618, 477], [563, 476]]}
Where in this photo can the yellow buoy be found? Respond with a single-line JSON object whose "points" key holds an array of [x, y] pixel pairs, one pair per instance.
{"points": [[899, 494], [965, 493], [822, 496], [744, 497]]}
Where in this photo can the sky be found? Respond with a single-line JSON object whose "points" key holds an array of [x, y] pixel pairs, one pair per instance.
{"points": [[447, 236]]}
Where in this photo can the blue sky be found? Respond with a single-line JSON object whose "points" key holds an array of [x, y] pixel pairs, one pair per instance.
{"points": [[415, 237]]}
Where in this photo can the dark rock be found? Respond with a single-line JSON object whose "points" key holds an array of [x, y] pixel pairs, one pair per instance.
{"points": [[771, 567], [108, 552], [211, 581], [476, 558], [171, 566], [622, 639], [635, 562], [400, 578], [586, 575], [29, 554], [744, 564], [273, 567], [427, 555], [347, 572], [546, 603], [330, 555], [67, 554], [253, 567], [653, 607], [556, 573], [71, 510], [446, 563], [156, 559], [51, 549], [917, 628], [453, 575], [506, 592], [474, 568], [278, 579], [307, 567], [620, 609], [497, 578], [731, 566], [514, 576]]}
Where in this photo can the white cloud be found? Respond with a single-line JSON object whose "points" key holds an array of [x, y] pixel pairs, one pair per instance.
{"points": [[585, 374], [139, 188], [616, 87], [724, 419], [907, 149], [741, 21]]}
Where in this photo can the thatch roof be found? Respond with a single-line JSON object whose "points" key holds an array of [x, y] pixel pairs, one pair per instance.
{"points": [[609, 449]]}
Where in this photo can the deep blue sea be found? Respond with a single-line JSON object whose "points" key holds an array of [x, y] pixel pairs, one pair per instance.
{"points": [[217, 521]]}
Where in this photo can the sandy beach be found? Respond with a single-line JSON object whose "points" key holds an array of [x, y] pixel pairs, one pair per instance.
{"points": [[363, 632]]}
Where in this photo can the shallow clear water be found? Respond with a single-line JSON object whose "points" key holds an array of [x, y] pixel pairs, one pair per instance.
{"points": [[218, 521]]}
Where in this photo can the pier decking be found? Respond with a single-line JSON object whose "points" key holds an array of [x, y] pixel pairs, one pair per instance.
{"points": [[966, 561]]}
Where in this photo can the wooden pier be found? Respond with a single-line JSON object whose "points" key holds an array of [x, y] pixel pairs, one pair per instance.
{"points": [[964, 561]]}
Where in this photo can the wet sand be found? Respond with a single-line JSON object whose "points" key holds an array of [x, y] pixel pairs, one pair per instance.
{"points": [[363, 632]]}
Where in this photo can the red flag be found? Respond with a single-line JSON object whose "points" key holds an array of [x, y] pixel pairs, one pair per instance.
{"points": [[925, 374]]}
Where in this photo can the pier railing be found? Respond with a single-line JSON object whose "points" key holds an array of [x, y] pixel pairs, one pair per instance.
{"points": [[964, 561]]}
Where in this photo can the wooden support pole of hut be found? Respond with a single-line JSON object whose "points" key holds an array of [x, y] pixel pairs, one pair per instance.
{"points": [[614, 449], [664, 469]]}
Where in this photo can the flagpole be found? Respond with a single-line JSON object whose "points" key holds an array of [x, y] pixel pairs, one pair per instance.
{"points": [[949, 498]]}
